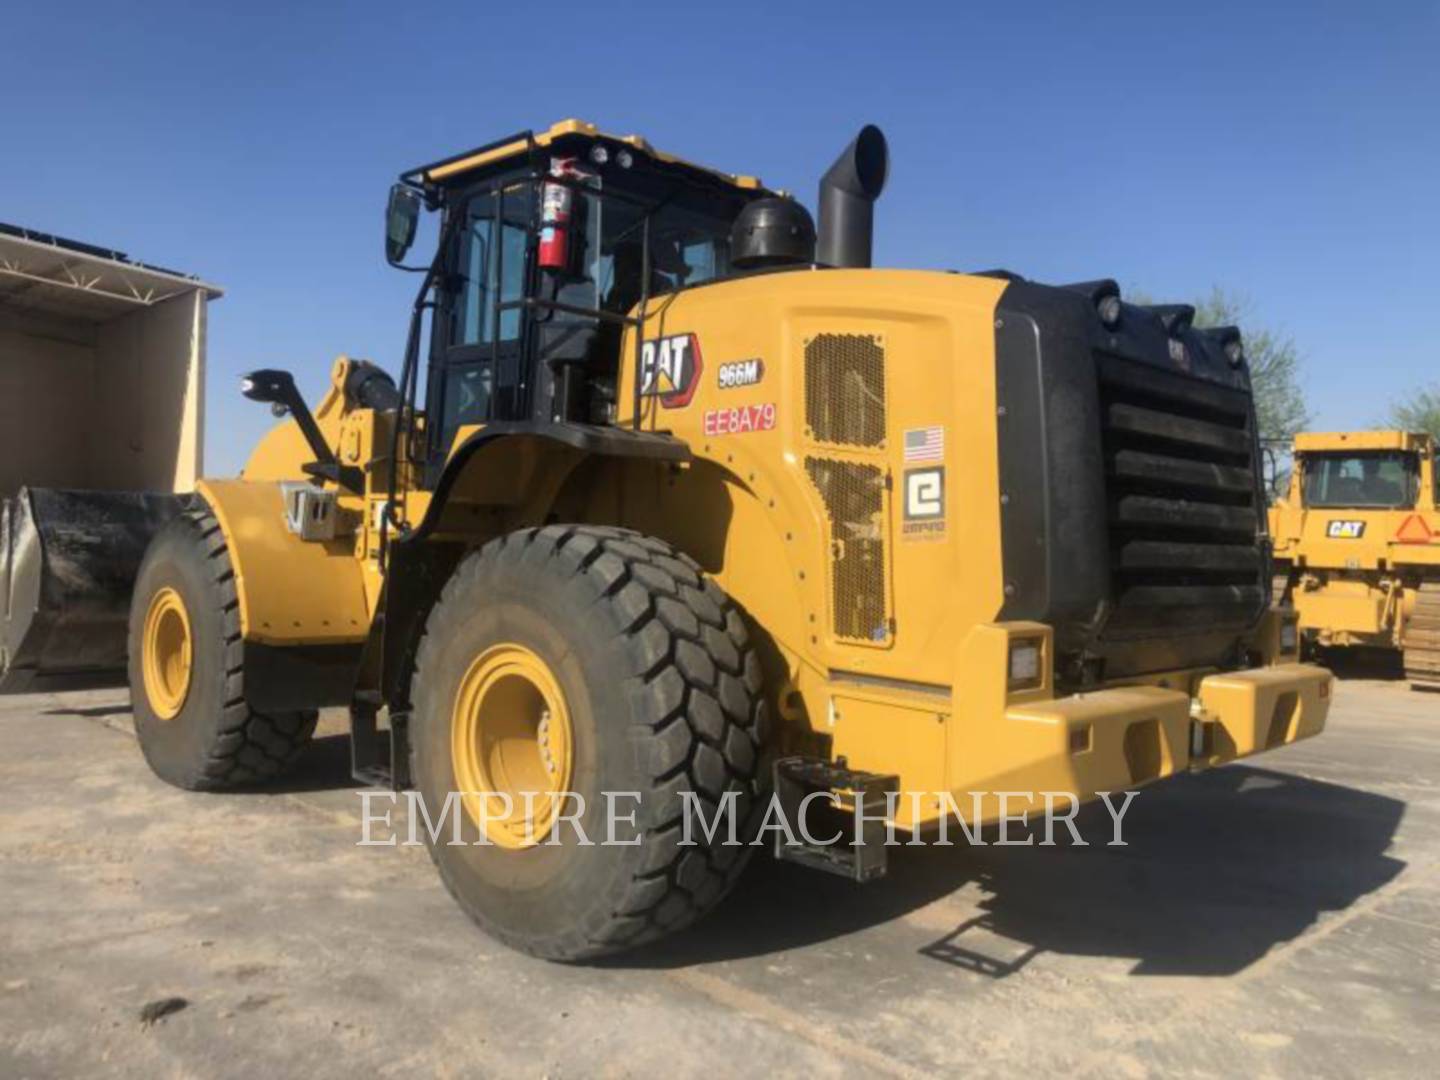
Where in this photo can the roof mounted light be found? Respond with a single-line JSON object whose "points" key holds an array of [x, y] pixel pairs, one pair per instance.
{"points": [[1108, 308], [1105, 295], [599, 154], [1228, 340], [624, 159]]}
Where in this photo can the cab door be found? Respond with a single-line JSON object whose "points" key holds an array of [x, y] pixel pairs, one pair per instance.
{"points": [[478, 356]]}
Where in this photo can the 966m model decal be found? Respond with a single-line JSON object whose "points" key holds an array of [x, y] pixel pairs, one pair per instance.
{"points": [[740, 373]]}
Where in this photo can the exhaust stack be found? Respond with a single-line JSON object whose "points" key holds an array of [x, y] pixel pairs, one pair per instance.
{"points": [[847, 200]]}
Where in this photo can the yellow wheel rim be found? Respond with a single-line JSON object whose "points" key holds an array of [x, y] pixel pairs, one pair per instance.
{"points": [[167, 653], [512, 745]]}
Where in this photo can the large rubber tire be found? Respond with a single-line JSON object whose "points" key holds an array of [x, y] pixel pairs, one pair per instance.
{"points": [[216, 741], [664, 693]]}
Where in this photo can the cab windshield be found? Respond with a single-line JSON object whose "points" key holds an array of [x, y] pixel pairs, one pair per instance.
{"points": [[1362, 480], [688, 246], [516, 339]]}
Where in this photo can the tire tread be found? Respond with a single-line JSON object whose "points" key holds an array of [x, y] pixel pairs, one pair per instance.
{"points": [[704, 715], [249, 747]]}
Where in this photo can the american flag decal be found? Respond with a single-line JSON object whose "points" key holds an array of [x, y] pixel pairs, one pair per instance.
{"points": [[925, 444]]}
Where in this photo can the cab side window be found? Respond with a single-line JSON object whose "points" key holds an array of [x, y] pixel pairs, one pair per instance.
{"points": [[486, 278], [482, 343]]}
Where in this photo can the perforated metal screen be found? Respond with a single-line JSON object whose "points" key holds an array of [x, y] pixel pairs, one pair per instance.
{"points": [[854, 496], [845, 389]]}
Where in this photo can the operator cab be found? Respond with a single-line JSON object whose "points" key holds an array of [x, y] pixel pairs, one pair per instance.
{"points": [[1360, 470], [548, 242], [1378, 479]]}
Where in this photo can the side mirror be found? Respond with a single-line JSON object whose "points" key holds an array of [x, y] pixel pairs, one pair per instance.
{"points": [[401, 214], [270, 387], [277, 389]]}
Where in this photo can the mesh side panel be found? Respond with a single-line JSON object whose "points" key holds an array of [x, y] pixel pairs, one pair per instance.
{"points": [[854, 497], [845, 389]]}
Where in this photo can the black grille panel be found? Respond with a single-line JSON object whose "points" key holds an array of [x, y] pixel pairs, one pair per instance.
{"points": [[1183, 508]]}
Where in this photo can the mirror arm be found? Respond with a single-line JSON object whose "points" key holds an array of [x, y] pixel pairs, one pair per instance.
{"points": [[351, 477], [278, 388], [326, 466]]}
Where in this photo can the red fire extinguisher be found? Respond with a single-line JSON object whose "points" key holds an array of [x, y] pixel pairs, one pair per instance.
{"points": [[556, 203]]}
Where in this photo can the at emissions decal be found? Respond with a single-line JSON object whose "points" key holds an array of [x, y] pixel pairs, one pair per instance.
{"points": [[670, 369]]}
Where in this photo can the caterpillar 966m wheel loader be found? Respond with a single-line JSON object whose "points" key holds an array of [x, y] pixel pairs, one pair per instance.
{"points": [[1357, 545], [691, 504]]}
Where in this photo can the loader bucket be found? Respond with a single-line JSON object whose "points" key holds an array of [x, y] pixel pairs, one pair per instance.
{"points": [[68, 561]]}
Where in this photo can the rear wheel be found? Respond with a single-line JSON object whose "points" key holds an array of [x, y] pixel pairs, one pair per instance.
{"points": [[187, 676], [559, 665]]}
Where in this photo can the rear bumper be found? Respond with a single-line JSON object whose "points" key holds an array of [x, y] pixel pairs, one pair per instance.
{"points": [[1348, 608], [991, 753], [1245, 712], [1118, 739]]}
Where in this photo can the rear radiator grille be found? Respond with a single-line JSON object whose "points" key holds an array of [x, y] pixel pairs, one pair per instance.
{"points": [[845, 389], [855, 505], [1183, 509]]}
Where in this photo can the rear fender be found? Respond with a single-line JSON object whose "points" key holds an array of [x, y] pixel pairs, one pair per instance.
{"points": [[524, 463], [515, 469]]}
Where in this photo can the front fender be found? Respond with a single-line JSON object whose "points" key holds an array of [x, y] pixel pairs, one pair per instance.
{"points": [[292, 592]]}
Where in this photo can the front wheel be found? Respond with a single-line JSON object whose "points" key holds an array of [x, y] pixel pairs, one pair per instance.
{"points": [[571, 678], [187, 672]]}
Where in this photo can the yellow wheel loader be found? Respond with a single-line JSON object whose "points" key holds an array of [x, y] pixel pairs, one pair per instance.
{"points": [[678, 504], [1357, 545]]}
